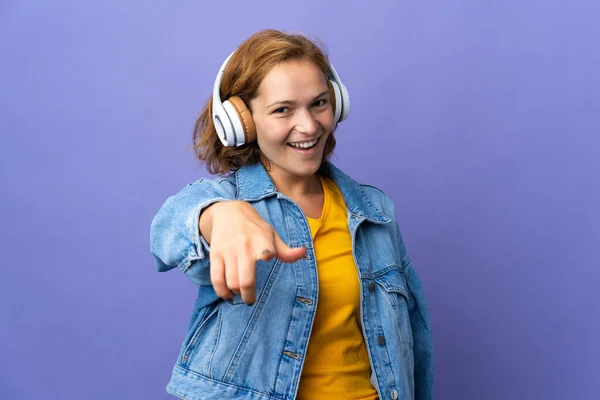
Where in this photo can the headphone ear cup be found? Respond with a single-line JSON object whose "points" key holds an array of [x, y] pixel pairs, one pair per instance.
{"points": [[245, 116], [223, 125], [237, 132], [345, 101], [336, 100]]}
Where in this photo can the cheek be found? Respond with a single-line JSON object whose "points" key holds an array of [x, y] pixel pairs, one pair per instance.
{"points": [[326, 120], [271, 131]]}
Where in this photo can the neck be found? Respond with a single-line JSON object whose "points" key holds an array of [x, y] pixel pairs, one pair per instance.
{"points": [[296, 186]]}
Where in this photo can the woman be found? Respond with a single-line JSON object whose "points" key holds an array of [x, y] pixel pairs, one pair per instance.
{"points": [[267, 323]]}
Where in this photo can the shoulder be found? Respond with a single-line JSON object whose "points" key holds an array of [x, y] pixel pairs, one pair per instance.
{"points": [[226, 181], [223, 186], [360, 193], [380, 199], [374, 192]]}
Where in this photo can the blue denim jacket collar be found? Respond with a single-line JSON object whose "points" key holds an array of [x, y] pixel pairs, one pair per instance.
{"points": [[254, 183]]}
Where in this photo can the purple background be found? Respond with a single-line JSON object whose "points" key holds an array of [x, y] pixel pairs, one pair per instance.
{"points": [[481, 120]]}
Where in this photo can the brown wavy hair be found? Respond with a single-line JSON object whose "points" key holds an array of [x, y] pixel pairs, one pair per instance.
{"points": [[243, 74]]}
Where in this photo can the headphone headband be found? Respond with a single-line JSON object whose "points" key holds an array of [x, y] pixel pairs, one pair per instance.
{"points": [[217, 85]]}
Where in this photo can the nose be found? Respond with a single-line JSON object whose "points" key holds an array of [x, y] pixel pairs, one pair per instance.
{"points": [[306, 122]]}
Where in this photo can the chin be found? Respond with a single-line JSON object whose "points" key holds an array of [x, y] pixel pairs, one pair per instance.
{"points": [[308, 170]]}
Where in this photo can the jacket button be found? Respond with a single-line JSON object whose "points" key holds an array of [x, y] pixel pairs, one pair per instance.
{"points": [[381, 340], [372, 287], [394, 394]]}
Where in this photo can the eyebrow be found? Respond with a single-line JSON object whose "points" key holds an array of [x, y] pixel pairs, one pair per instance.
{"points": [[291, 103]]}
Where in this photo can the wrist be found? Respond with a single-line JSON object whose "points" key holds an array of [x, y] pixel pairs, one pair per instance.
{"points": [[205, 222]]}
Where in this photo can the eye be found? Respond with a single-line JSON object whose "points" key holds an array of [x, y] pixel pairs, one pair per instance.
{"points": [[320, 103], [281, 110]]}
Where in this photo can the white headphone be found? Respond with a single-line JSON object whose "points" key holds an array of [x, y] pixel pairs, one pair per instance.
{"points": [[233, 119]]}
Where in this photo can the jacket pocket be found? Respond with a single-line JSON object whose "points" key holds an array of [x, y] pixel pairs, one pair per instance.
{"points": [[204, 338], [393, 283], [395, 296]]}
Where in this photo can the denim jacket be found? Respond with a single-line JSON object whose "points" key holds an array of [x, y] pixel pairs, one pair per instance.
{"points": [[236, 351]]}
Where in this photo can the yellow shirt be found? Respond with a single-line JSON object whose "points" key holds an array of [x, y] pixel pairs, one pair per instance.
{"points": [[337, 363]]}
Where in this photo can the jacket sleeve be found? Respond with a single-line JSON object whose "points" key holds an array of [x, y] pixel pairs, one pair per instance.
{"points": [[420, 323], [175, 239], [417, 309], [421, 329]]}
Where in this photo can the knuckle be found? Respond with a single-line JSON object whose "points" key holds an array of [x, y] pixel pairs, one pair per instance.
{"points": [[247, 284], [269, 241], [216, 250], [218, 282], [234, 287], [241, 238]]}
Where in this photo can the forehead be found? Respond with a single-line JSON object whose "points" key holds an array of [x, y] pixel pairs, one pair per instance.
{"points": [[292, 80]]}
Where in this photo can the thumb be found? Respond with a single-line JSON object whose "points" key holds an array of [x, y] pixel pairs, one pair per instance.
{"points": [[286, 253]]}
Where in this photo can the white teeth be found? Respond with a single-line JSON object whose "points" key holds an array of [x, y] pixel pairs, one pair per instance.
{"points": [[305, 145]]}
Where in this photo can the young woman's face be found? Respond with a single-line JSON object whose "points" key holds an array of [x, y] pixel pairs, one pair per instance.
{"points": [[293, 118]]}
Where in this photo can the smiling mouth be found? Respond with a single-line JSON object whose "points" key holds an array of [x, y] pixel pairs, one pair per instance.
{"points": [[305, 145]]}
